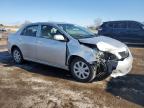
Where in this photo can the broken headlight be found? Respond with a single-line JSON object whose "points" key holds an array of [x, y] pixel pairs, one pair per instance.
{"points": [[124, 54], [106, 56], [109, 56]]}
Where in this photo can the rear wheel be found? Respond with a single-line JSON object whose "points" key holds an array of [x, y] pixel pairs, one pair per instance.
{"points": [[82, 70], [17, 56]]}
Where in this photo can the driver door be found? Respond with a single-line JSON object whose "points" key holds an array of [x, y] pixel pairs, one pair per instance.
{"points": [[49, 50]]}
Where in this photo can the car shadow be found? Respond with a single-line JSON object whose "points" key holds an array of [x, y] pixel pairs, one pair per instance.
{"points": [[7, 61], [129, 87]]}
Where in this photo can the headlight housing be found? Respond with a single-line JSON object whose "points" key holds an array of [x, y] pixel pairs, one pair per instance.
{"points": [[124, 54], [110, 56], [107, 56]]}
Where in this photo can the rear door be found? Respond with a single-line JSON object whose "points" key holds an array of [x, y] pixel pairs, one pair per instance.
{"points": [[27, 41], [121, 31], [135, 33]]}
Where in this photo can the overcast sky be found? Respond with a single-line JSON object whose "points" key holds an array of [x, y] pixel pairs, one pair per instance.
{"points": [[82, 12]]}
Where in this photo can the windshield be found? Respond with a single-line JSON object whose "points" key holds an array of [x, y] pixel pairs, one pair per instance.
{"points": [[76, 32]]}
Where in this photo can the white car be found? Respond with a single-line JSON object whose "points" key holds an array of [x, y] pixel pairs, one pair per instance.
{"points": [[71, 47]]}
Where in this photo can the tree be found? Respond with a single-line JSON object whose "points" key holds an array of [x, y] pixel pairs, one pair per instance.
{"points": [[26, 22], [1, 25], [97, 22]]}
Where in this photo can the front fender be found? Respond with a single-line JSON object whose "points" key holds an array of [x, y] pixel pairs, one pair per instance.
{"points": [[82, 51]]}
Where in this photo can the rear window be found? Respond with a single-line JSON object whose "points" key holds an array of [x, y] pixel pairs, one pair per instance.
{"points": [[133, 25], [116, 25], [30, 31]]}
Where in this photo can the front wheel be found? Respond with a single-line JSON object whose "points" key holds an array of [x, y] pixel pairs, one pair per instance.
{"points": [[82, 70]]}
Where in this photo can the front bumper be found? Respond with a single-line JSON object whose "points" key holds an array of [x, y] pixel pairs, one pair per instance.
{"points": [[123, 67]]}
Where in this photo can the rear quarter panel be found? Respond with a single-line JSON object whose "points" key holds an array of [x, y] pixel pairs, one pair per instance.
{"points": [[12, 41]]}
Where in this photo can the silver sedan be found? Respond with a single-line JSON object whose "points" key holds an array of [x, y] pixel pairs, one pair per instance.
{"points": [[71, 47]]}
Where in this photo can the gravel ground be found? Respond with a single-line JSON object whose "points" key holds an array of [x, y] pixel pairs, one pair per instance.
{"points": [[34, 85]]}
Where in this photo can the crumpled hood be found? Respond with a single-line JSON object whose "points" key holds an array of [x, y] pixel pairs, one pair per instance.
{"points": [[105, 43]]}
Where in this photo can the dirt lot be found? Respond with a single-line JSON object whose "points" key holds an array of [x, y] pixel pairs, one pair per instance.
{"points": [[33, 85]]}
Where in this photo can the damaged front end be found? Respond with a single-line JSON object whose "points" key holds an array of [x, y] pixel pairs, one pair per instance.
{"points": [[105, 63], [108, 56], [119, 60], [111, 56]]}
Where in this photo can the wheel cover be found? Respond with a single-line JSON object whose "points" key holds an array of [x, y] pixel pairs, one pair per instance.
{"points": [[81, 70], [17, 56]]}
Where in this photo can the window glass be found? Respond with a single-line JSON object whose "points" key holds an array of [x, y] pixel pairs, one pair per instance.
{"points": [[124, 25], [120, 25], [49, 31], [30, 31], [115, 25], [110, 25], [133, 25]]}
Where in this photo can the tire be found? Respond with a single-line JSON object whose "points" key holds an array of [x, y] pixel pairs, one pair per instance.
{"points": [[82, 71], [17, 56]]}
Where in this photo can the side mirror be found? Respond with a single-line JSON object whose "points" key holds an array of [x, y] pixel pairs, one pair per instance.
{"points": [[59, 37]]}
